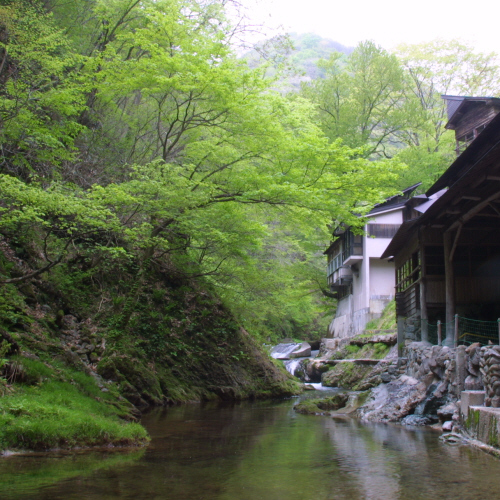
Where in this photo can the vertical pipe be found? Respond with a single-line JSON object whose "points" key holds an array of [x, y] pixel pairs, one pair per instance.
{"points": [[456, 330], [439, 332]]}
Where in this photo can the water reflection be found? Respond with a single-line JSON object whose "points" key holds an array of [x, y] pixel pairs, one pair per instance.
{"points": [[262, 451]]}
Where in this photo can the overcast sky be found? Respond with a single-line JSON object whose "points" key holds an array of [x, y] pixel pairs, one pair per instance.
{"points": [[386, 22]]}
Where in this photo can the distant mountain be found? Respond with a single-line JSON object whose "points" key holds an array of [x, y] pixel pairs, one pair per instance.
{"points": [[309, 48], [301, 55]]}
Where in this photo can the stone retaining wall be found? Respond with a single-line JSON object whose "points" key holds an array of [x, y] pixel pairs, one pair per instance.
{"points": [[489, 364], [472, 368], [432, 365]]}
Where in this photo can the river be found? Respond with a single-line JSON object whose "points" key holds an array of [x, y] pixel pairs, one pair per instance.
{"points": [[259, 451]]}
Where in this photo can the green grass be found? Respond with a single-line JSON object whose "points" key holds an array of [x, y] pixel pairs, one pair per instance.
{"points": [[387, 321], [380, 350], [53, 408], [352, 349]]}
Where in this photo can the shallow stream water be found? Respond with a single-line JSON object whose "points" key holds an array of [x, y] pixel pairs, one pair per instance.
{"points": [[259, 451]]}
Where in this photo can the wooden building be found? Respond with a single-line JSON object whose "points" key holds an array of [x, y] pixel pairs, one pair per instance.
{"points": [[447, 251], [468, 117]]}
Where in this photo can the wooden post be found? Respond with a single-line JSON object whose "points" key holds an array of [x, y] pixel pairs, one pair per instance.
{"points": [[449, 280], [439, 332], [423, 292], [456, 330]]}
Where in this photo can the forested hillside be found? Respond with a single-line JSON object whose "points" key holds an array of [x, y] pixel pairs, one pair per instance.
{"points": [[164, 209], [161, 208]]}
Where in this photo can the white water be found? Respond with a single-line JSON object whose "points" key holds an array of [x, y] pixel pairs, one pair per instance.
{"points": [[319, 387], [282, 351], [292, 364]]}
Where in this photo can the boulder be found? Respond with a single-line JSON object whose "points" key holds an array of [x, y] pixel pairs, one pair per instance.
{"points": [[448, 426], [446, 413], [393, 401], [302, 351], [283, 350]]}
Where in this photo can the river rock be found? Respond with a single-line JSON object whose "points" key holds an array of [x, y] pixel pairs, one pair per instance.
{"points": [[448, 426], [393, 401], [303, 351], [447, 412], [283, 350]]}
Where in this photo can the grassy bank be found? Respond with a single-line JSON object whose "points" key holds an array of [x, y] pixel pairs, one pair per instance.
{"points": [[52, 407]]}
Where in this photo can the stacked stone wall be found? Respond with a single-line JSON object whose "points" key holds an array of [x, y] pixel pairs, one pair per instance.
{"points": [[490, 372]]}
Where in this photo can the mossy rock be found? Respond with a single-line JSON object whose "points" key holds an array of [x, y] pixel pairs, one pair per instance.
{"points": [[137, 382], [345, 375], [320, 406]]}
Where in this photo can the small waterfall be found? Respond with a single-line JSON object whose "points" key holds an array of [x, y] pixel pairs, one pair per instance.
{"points": [[292, 364], [297, 366], [283, 351]]}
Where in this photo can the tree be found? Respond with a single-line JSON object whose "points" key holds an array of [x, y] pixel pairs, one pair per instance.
{"points": [[186, 162], [40, 92], [433, 69], [360, 100]]}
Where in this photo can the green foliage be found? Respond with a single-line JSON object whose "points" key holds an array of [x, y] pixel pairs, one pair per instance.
{"points": [[386, 321], [42, 94], [352, 349], [172, 133], [11, 306], [361, 100], [380, 350], [391, 105]]}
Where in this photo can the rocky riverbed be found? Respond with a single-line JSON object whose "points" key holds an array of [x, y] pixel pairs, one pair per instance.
{"points": [[422, 387]]}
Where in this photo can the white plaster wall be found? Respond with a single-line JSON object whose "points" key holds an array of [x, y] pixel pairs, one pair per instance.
{"points": [[375, 247], [382, 283], [359, 286], [393, 217]]}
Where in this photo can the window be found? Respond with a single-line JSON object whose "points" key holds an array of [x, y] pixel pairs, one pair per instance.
{"points": [[382, 230], [353, 244], [408, 273]]}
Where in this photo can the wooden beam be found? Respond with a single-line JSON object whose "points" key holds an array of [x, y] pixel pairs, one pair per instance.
{"points": [[495, 209], [478, 181], [455, 242], [493, 177], [473, 198], [473, 211]]}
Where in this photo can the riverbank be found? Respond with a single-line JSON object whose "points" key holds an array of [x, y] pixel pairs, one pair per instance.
{"points": [[81, 358]]}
